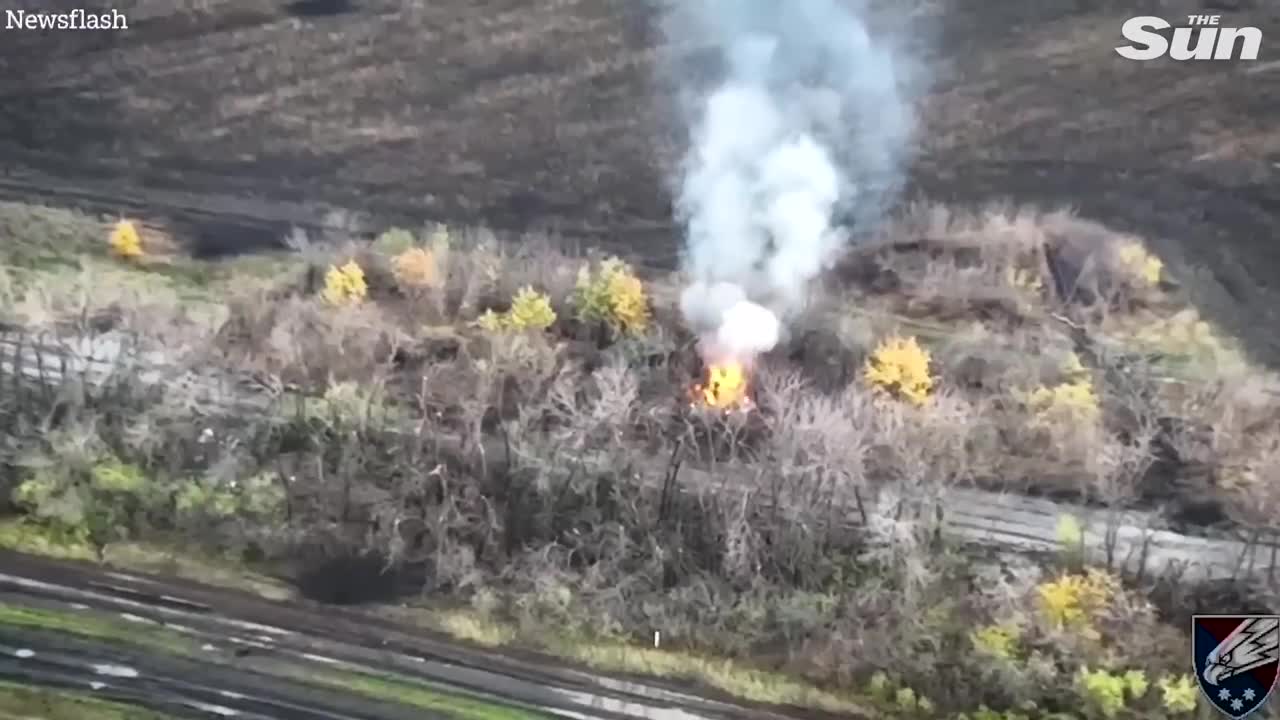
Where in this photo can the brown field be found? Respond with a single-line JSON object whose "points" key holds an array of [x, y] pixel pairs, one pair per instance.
{"points": [[519, 115]]}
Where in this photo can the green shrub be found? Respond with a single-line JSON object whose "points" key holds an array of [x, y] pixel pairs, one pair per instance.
{"points": [[394, 241], [98, 502], [83, 494], [260, 497]]}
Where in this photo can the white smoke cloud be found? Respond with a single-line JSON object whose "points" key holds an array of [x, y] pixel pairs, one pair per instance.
{"points": [[807, 123], [746, 330]]}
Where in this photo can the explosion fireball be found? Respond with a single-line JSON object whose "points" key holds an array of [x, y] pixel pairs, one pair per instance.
{"points": [[726, 387]]}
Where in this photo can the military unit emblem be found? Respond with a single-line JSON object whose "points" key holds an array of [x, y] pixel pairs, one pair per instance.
{"points": [[1236, 660]]}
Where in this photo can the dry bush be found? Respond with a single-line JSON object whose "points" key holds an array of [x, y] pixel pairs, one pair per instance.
{"points": [[1013, 257], [977, 357], [416, 271], [545, 262], [307, 343], [1252, 484], [94, 298], [947, 288], [1180, 335], [952, 263], [922, 450], [474, 273], [1223, 418], [1099, 266]]}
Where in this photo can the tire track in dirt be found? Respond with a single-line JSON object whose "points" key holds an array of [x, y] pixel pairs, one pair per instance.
{"points": [[292, 637]]}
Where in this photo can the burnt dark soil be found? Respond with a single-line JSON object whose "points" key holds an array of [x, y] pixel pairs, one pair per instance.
{"points": [[550, 114]]}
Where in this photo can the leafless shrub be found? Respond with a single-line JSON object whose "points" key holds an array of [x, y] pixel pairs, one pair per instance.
{"points": [[476, 266], [1252, 482], [306, 343], [947, 288], [922, 450], [953, 262], [1216, 422], [819, 445], [1097, 265], [92, 299], [543, 262]]}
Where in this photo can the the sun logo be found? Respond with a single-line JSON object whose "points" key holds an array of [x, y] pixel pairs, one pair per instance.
{"points": [[1211, 42]]}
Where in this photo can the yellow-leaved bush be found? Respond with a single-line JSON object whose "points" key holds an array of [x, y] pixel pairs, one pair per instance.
{"points": [[345, 285], [1109, 691], [1186, 334], [900, 367], [998, 641], [125, 242], [1179, 695], [614, 296], [1071, 601], [530, 310], [1074, 399], [1140, 264]]}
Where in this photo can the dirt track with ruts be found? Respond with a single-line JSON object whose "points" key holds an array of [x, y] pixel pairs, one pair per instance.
{"points": [[197, 651], [551, 115]]}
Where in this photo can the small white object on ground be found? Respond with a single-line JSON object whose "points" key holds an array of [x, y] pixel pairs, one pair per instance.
{"points": [[115, 671]]}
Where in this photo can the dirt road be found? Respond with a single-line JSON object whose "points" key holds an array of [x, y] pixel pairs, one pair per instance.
{"points": [[520, 114], [189, 650]]}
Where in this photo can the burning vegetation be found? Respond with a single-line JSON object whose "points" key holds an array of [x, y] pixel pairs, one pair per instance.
{"points": [[725, 388]]}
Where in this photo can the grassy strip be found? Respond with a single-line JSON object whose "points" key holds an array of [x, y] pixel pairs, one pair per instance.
{"points": [[52, 248], [99, 626], [734, 678], [418, 695], [21, 702], [158, 559]]}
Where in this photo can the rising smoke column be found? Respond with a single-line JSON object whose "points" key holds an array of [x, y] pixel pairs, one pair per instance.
{"points": [[807, 122]]}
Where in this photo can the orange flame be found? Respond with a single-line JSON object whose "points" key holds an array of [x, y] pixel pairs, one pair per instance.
{"points": [[726, 386]]}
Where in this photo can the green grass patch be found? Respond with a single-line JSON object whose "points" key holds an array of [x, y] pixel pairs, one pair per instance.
{"points": [[729, 676], [23, 702], [99, 626], [734, 678], [197, 566], [145, 557], [33, 539], [419, 695], [43, 247], [40, 238]]}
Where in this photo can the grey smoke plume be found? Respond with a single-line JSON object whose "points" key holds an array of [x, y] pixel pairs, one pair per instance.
{"points": [[806, 123]]}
